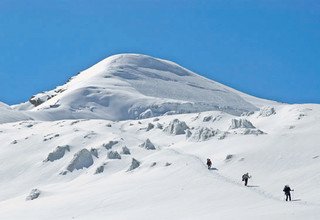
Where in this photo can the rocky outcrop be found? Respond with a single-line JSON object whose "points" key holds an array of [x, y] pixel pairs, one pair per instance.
{"points": [[58, 153], [82, 159], [114, 155], [134, 164], [148, 145]]}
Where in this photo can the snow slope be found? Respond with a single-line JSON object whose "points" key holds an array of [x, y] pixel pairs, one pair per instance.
{"points": [[64, 154], [7, 114], [131, 86], [171, 181]]}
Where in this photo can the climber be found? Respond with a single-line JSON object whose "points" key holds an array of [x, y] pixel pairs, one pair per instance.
{"points": [[209, 163], [287, 191], [245, 178]]}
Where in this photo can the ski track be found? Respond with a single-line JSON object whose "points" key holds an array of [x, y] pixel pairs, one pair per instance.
{"points": [[229, 180], [223, 178]]}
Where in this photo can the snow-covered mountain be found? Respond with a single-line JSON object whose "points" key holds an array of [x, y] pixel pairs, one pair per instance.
{"points": [[65, 155], [132, 86]]}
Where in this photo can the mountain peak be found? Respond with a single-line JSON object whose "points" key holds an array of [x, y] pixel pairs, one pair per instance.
{"points": [[132, 86]]}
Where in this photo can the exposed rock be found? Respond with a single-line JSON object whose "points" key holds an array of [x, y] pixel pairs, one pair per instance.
{"points": [[148, 145], [252, 131], [176, 127], [156, 119], [58, 153], [34, 194], [14, 142], [82, 159], [50, 137], [267, 111], [150, 126], [167, 164], [94, 152], [114, 155], [247, 113], [159, 126], [134, 164], [99, 169], [153, 164], [241, 123], [207, 118], [108, 125], [125, 150], [188, 133], [229, 157], [110, 144]]}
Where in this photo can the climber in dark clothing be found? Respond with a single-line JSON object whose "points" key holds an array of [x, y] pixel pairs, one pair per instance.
{"points": [[287, 191], [245, 178], [209, 163]]}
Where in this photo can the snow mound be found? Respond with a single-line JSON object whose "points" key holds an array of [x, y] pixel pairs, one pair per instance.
{"points": [[176, 127], [58, 153], [82, 159], [148, 145]]}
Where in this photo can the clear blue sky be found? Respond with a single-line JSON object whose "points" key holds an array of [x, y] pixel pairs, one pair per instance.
{"points": [[267, 48]]}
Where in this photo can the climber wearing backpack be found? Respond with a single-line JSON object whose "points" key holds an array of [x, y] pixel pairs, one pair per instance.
{"points": [[209, 163], [287, 191], [245, 178]]}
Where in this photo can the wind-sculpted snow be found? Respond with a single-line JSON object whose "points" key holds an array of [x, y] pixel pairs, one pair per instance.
{"points": [[34, 194], [58, 153], [205, 133], [133, 86], [147, 145], [95, 186], [114, 155], [245, 127], [125, 150], [267, 111], [176, 127], [134, 164], [241, 123], [82, 159]]}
